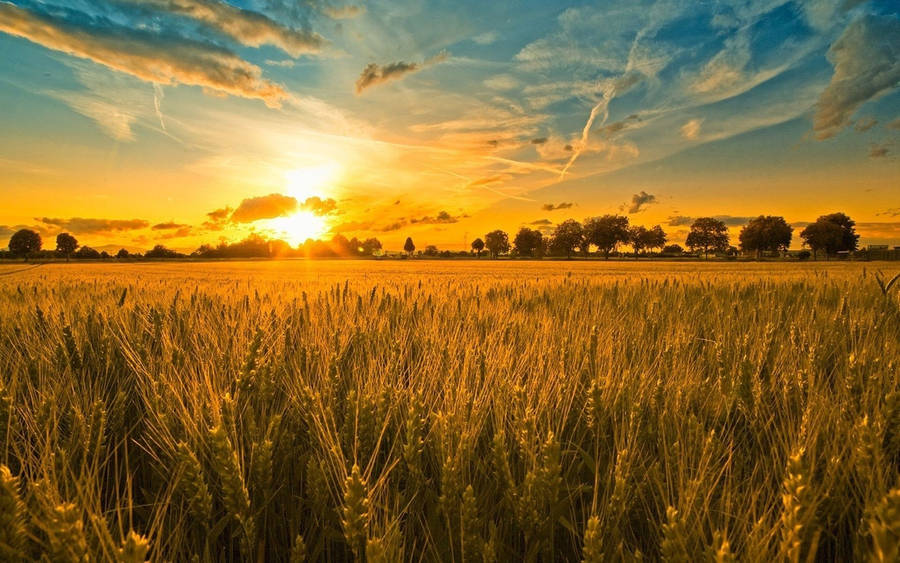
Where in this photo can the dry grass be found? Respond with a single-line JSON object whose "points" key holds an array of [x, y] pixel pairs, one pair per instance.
{"points": [[465, 411]]}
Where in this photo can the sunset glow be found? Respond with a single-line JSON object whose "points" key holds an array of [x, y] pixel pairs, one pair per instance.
{"points": [[193, 122]]}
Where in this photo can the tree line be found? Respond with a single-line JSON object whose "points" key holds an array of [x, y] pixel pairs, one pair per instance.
{"points": [[829, 234], [27, 243]]}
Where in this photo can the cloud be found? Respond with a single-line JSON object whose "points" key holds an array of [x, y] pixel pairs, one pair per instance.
{"points": [[539, 140], [319, 206], [640, 201], [375, 74], [264, 207], [890, 212], [442, 217], [180, 232], [865, 123], [247, 27], [895, 124], [83, 226], [866, 60], [501, 82], [542, 222], [485, 38], [171, 225], [153, 57], [552, 207], [679, 220], [729, 220], [879, 150], [691, 129], [344, 12]]}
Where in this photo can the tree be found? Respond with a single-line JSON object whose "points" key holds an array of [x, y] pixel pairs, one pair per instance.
{"points": [[708, 233], [606, 232], [408, 246], [431, 250], [528, 242], [832, 233], [87, 253], [24, 242], [639, 237], [497, 242], [160, 251], [567, 236], [672, 249], [656, 237], [478, 246], [123, 254], [371, 247], [66, 244], [822, 235], [765, 233]]}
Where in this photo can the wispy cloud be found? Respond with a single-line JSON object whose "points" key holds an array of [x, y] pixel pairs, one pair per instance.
{"points": [[245, 26], [554, 207], [150, 56], [375, 74], [691, 129], [83, 226], [866, 65]]}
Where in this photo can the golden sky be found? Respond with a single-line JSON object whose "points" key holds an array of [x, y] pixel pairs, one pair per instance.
{"points": [[182, 122]]}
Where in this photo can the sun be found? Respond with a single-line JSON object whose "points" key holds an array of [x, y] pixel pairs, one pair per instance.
{"points": [[302, 184], [296, 228]]}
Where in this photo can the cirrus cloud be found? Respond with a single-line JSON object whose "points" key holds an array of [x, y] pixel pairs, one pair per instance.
{"points": [[152, 57]]}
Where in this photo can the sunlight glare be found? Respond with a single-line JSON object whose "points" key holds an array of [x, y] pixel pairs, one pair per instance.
{"points": [[298, 227]]}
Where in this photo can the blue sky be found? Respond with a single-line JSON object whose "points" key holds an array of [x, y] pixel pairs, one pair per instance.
{"points": [[442, 120]]}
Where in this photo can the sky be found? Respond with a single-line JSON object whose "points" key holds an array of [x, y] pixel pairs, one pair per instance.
{"points": [[182, 122]]}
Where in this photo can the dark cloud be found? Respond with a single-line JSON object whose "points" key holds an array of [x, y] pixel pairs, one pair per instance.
{"points": [[729, 220], [640, 201], [247, 27], [84, 226], [879, 151], [264, 207], [539, 141], [319, 206], [148, 55], [890, 212], [168, 226], [442, 217], [180, 232], [375, 74], [865, 123], [554, 207], [617, 126], [543, 222], [866, 65]]}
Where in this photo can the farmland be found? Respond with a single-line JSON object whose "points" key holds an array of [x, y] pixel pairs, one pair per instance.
{"points": [[449, 411]]}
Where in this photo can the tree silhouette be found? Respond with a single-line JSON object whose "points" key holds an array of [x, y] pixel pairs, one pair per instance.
{"points": [[408, 246], [656, 237], [478, 246], [567, 236], [25, 242], [497, 242], [66, 244], [766, 233], [708, 234], [528, 242], [832, 233], [122, 253], [606, 232]]}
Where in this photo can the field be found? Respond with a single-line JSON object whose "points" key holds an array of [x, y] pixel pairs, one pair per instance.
{"points": [[449, 411]]}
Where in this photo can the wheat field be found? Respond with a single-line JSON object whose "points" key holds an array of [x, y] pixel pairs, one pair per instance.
{"points": [[449, 411]]}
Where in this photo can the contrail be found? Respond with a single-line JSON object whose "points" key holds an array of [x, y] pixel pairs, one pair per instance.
{"points": [[158, 95], [609, 91]]}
